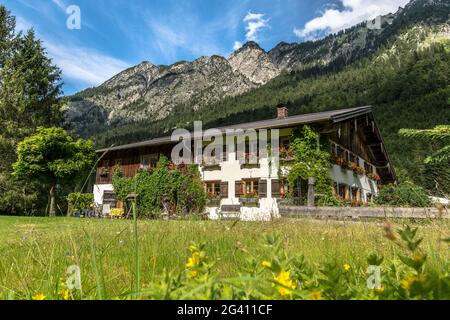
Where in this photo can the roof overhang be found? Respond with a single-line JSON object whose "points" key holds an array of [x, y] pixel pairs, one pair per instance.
{"points": [[327, 116]]}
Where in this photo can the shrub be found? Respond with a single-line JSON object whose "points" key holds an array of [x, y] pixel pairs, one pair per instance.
{"points": [[330, 201], [176, 191], [78, 202], [403, 195]]}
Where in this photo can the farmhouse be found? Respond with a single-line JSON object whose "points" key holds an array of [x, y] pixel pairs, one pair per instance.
{"points": [[254, 191]]}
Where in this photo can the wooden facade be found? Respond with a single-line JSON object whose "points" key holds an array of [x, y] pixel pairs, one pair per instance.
{"points": [[357, 136]]}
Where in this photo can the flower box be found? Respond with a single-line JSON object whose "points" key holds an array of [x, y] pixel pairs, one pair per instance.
{"points": [[250, 166], [360, 171], [374, 176], [211, 167], [213, 203], [249, 201], [340, 162]]}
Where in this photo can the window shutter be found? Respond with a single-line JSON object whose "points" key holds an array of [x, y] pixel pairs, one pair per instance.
{"points": [[224, 190], [276, 188], [238, 189], [263, 188]]}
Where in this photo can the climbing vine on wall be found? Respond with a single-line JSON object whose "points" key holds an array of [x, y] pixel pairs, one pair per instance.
{"points": [[167, 189], [311, 160]]}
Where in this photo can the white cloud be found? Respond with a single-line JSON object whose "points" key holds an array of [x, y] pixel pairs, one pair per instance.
{"points": [[60, 4], [255, 22], [85, 65], [237, 45], [355, 11]]}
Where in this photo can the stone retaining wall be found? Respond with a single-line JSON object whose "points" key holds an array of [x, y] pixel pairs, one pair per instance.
{"points": [[355, 213]]}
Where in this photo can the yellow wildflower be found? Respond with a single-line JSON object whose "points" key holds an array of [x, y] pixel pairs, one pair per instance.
{"points": [[194, 260], [347, 267], [266, 264], [284, 278], [408, 281], [379, 290], [317, 295], [39, 297], [193, 273], [65, 294]]}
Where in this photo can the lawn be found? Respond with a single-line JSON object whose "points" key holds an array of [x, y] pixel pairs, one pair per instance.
{"points": [[36, 252]]}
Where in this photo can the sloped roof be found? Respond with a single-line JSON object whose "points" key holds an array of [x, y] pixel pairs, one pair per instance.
{"points": [[334, 116]]}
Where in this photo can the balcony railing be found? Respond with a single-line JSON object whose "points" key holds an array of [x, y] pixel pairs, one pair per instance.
{"points": [[349, 160]]}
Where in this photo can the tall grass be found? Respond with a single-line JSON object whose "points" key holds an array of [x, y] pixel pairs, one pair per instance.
{"points": [[36, 252]]}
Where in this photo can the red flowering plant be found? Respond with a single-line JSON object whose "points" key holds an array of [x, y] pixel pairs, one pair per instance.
{"points": [[286, 153], [284, 195], [352, 165], [374, 176], [250, 195], [213, 196], [340, 161], [360, 170]]}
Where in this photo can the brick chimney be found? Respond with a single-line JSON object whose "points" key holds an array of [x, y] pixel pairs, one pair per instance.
{"points": [[282, 111]]}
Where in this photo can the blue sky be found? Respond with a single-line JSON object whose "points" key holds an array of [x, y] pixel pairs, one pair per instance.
{"points": [[116, 34]]}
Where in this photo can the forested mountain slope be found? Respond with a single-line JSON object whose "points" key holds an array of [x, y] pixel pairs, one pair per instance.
{"points": [[150, 92], [402, 70]]}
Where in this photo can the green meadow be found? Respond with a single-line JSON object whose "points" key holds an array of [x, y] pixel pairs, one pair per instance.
{"points": [[36, 253]]}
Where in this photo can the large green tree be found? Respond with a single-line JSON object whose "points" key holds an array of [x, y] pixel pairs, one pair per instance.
{"points": [[53, 157], [30, 96]]}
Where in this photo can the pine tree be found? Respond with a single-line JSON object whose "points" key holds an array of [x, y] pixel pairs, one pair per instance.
{"points": [[30, 90], [7, 34]]}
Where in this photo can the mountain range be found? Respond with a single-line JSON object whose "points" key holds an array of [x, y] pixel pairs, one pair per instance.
{"points": [[148, 92]]}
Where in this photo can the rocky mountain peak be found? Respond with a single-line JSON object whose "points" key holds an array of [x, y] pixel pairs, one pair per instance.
{"points": [[150, 92], [254, 63]]}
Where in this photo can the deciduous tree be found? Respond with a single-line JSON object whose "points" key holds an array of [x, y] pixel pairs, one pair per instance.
{"points": [[53, 157]]}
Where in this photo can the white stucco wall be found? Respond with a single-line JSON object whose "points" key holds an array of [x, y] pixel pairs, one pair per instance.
{"points": [[99, 190], [230, 171], [349, 178]]}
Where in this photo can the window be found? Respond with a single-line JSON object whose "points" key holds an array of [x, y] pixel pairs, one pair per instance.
{"points": [[341, 190], [285, 143], [355, 194], [212, 188], [149, 162], [250, 186]]}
